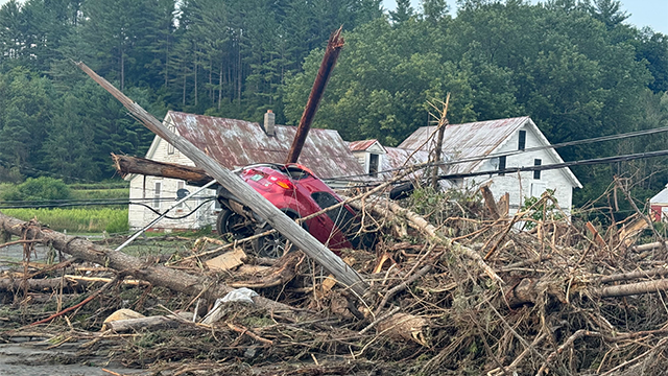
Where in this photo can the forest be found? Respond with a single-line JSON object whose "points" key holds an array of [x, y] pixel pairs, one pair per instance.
{"points": [[577, 68]]}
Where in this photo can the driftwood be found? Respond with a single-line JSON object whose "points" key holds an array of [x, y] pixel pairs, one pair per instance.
{"points": [[157, 275], [421, 224], [42, 285], [260, 205], [144, 323]]}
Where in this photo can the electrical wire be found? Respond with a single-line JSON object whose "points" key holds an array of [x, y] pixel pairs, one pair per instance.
{"points": [[621, 136], [207, 200]]}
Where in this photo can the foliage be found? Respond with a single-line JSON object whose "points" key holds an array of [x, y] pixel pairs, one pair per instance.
{"points": [[38, 190], [541, 208], [576, 68], [89, 220]]}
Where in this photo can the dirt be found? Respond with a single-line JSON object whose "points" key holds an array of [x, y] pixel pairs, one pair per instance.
{"points": [[33, 358]]}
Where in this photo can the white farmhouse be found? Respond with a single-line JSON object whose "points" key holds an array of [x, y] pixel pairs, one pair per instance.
{"points": [[514, 142]]}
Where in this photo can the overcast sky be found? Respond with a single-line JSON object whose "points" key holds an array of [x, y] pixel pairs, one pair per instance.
{"points": [[652, 13]]}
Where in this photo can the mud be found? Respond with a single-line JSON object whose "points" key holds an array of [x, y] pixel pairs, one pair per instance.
{"points": [[34, 358]]}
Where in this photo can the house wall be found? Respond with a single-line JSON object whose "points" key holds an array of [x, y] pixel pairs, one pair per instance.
{"points": [[364, 157], [519, 185], [142, 189]]}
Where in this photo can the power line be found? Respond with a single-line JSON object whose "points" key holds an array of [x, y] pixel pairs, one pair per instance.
{"points": [[403, 191], [516, 152], [208, 199]]}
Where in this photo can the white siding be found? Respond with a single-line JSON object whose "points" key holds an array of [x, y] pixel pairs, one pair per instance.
{"points": [[142, 190], [519, 185]]}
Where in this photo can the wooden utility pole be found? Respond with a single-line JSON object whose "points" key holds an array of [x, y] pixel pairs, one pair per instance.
{"points": [[442, 123], [249, 197], [328, 62]]}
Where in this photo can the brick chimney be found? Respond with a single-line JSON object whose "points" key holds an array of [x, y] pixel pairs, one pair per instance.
{"points": [[270, 123]]}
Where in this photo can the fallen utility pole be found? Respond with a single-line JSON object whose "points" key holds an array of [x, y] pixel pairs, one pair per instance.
{"points": [[249, 197], [332, 51]]}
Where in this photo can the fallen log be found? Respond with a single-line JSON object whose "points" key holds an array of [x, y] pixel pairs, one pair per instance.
{"points": [[249, 197], [126, 165], [144, 323], [157, 275], [530, 291], [42, 285], [648, 246]]}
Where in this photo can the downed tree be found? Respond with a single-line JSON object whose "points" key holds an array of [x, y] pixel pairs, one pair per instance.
{"points": [[157, 275]]}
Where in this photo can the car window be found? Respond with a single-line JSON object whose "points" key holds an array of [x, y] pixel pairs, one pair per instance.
{"points": [[342, 218]]}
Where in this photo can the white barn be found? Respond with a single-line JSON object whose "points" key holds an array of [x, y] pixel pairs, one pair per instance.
{"points": [[514, 142]]}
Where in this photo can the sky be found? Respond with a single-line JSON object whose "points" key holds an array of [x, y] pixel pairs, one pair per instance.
{"points": [[652, 13]]}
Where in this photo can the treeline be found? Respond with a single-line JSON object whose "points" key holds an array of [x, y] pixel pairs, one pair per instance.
{"points": [[575, 67]]}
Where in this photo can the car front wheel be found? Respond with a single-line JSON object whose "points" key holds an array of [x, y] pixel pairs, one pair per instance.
{"points": [[233, 223]]}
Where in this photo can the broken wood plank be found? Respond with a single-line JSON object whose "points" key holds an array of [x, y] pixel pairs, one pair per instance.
{"points": [[227, 261], [490, 203], [597, 237], [249, 197]]}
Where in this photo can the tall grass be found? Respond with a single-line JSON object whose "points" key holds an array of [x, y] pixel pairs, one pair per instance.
{"points": [[91, 220]]}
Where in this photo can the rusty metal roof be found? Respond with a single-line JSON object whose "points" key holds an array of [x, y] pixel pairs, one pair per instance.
{"points": [[237, 143], [361, 145], [466, 140]]}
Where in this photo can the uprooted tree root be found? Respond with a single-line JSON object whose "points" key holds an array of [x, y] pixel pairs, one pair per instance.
{"points": [[572, 298]]}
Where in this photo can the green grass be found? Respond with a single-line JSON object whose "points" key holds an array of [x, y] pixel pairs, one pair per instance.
{"points": [[78, 220], [101, 194]]}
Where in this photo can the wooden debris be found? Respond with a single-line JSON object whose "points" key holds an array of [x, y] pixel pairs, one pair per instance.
{"points": [[227, 261]]}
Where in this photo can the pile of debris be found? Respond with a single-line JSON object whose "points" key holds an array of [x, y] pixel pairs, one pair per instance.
{"points": [[453, 287]]}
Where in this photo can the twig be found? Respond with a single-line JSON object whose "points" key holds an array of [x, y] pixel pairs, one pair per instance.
{"points": [[401, 287], [88, 299], [379, 319]]}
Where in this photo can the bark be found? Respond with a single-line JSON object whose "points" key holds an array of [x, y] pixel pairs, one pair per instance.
{"points": [[254, 200], [158, 275], [144, 323], [490, 202], [42, 285], [126, 165]]}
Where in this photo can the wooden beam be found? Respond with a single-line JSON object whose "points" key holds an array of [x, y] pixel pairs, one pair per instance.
{"points": [[249, 197]]}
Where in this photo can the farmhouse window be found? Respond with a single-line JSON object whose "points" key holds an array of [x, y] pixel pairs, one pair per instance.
{"points": [[536, 174], [156, 194], [502, 165], [373, 164], [523, 140]]}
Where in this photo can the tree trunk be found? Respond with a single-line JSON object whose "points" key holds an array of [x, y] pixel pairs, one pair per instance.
{"points": [[158, 275], [126, 165]]}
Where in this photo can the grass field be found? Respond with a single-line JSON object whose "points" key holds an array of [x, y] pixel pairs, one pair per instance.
{"points": [[78, 220]]}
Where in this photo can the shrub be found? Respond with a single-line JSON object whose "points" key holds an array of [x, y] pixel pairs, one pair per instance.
{"points": [[39, 189]]}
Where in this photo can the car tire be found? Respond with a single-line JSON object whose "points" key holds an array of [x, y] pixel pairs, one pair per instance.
{"points": [[229, 222]]}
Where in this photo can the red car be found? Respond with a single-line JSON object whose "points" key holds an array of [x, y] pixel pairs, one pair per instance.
{"points": [[298, 193]]}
